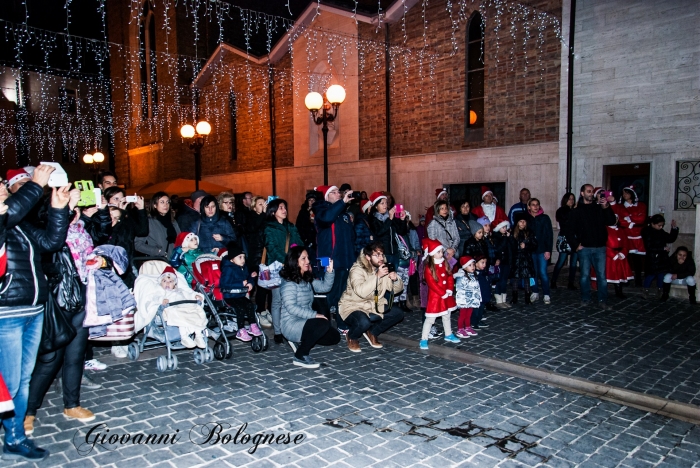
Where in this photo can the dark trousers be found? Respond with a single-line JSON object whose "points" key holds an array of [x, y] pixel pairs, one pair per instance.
{"points": [[477, 314], [47, 366], [245, 310], [359, 322], [263, 296], [636, 262], [339, 284], [316, 331]]}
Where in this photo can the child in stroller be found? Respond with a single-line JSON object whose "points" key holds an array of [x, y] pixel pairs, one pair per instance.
{"points": [[189, 318], [235, 283]]}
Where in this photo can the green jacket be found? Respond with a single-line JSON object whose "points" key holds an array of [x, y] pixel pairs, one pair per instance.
{"points": [[276, 239]]}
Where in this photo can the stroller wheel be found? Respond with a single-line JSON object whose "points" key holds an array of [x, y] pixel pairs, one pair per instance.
{"points": [[209, 354], [266, 342], [162, 363], [257, 344], [199, 356], [220, 351], [172, 365], [133, 351]]}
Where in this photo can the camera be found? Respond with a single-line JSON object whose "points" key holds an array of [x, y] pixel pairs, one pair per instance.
{"points": [[356, 195], [390, 267]]}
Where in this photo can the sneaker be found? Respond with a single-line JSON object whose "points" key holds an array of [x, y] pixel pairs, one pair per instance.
{"points": [[534, 297], [23, 450], [200, 341], [79, 413], [89, 384], [484, 318], [255, 330], [462, 333], [480, 326], [423, 344], [187, 341], [243, 335], [372, 340], [94, 364], [547, 300], [265, 319], [29, 424], [306, 362], [452, 339], [434, 333], [470, 331], [123, 351], [292, 345], [354, 345]]}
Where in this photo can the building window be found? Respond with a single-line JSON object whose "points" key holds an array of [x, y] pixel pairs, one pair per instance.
{"points": [[233, 112], [147, 59], [687, 184], [66, 101], [459, 193], [474, 108]]}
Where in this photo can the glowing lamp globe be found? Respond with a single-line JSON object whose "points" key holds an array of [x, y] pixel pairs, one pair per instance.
{"points": [[313, 101], [335, 94], [203, 128], [88, 159], [98, 157], [472, 117], [187, 131]]}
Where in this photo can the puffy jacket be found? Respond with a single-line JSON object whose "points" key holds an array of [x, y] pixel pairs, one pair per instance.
{"points": [[445, 231], [25, 283], [232, 278], [475, 248], [462, 223], [296, 304], [336, 233], [207, 226], [276, 239], [385, 230], [506, 248]]}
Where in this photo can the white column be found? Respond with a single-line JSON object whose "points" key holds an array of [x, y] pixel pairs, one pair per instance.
{"points": [[696, 250]]}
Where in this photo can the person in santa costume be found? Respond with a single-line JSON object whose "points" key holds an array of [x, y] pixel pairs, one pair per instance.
{"points": [[634, 219], [488, 207], [441, 300], [440, 194], [617, 268]]}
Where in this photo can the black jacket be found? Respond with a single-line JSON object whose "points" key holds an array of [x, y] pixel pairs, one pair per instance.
{"points": [[541, 226], [474, 248], [563, 217], [385, 232], [25, 283], [683, 270], [505, 248], [255, 236], [589, 225], [306, 227], [655, 241], [99, 225], [127, 229]]}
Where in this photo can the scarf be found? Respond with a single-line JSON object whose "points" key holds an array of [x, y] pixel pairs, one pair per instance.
{"points": [[381, 217], [167, 221]]}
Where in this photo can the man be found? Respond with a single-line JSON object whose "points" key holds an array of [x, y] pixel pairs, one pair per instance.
{"points": [[335, 239], [440, 194], [247, 199], [589, 221], [106, 179], [520, 206], [488, 207], [243, 210], [541, 226], [16, 178], [364, 306], [188, 217]]}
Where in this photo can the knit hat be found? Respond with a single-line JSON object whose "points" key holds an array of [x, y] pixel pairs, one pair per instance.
{"points": [[184, 237], [431, 247], [474, 226], [478, 258], [464, 261], [325, 190], [198, 194], [500, 225], [519, 215], [234, 249], [167, 272], [439, 192], [15, 175], [483, 221], [376, 197]]}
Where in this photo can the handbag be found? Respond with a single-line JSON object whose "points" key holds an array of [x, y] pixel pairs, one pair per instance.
{"points": [[404, 252], [563, 244], [64, 281], [269, 276], [58, 330]]}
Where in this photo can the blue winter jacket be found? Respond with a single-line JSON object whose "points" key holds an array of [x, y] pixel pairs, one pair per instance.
{"points": [[363, 233], [232, 277], [207, 227], [336, 233]]}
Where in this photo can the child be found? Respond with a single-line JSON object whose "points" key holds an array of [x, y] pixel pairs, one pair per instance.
{"points": [[185, 253], [476, 245], [505, 251], [189, 318], [523, 266], [235, 284], [655, 241], [681, 271], [440, 282], [481, 274], [468, 296]]}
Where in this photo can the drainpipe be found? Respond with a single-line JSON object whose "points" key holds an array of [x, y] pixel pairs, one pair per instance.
{"points": [[388, 108], [570, 99]]}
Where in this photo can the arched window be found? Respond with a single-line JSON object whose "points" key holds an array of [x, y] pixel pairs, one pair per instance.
{"points": [[475, 73], [147, 58]]}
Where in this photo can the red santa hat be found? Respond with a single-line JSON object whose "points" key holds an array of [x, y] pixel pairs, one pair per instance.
{"points": [[325, 190], [485, 190], [185, 237], [500, 225], [631, 189], [15, 175], [376, 197], [466, 260], [431, 247], [439, 192], [367, 205], [596, 191], [167, 272]]}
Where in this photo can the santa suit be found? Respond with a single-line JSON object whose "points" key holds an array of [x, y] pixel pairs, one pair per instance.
{"points": [[439, 302], [617, 268], [635, 217], [493, 212]]}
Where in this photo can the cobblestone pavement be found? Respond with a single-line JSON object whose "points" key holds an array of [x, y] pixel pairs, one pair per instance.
{"points": [[643, 345], [383, 408]]}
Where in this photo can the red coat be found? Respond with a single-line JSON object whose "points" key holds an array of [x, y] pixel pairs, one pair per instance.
{"points": [[437, 303], [617, 268], [636, 218], [498, 218]]}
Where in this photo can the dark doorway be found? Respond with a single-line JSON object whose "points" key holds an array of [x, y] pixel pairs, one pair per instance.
{"points": [[459, 193], [618, 176]]}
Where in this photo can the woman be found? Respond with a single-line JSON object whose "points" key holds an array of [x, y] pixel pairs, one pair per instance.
{"points": [[226, 202], [254, 232], [462, 222], [162, 229], [386, 225], [632, 222], [280, 235], [444, 230], [300, 323], [305, 222], [567, 205], [214, 231]]}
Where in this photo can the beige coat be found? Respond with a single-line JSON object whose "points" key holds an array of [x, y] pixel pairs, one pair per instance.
{"points": [[359, 294]]}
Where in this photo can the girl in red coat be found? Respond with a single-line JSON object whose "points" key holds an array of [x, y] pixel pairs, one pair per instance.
{"points": [[634, 220], [617, 268], [441, 300]]}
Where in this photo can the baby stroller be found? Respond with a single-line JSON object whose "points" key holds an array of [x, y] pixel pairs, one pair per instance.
{"points": [[150, 318], [206, 271]]}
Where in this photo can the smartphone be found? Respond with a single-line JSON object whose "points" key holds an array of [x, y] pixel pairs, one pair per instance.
{"points": [[131, 198], [58, 177], [87, 193], [390, 267], [399, 208], [272, 197], [325, 261]]}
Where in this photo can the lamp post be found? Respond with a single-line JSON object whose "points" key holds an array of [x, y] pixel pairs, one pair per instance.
{"points": [[195, 135], [334, 97], [94, 160]]}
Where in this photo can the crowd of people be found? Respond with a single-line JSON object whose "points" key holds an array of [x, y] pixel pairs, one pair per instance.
{"points": [[352, 266]]}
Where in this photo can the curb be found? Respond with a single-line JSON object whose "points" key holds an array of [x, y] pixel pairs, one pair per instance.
{"points": [[650, 403]]}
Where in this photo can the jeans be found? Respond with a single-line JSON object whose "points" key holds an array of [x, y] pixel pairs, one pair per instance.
{"points": [[593, 256], [340, 282], [573, 258], [502, 285], [276, 310], [359, 322], [690, 281], [48, 365], [20, 338], [541, 270], [316, 331], [659, 277], [477, 314]]}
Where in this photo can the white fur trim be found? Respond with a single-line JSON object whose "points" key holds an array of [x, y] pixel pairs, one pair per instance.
{"points": [[17, 178], [440, 194], [486, 193], [500, 225]]}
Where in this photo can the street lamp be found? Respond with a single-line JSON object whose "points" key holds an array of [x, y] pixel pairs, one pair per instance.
{"points": [[334, 97], [94, 159], [196, 134]]}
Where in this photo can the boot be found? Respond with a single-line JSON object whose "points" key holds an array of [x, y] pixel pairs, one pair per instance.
{"points": [[666, 290], [571, 286], [691, 295], [404, 307], [500, 301], [514, 297], [527, 297], [645, 293], [618, 291], [506, 305], [659, 292]]}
